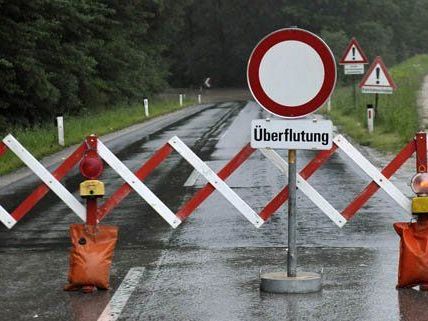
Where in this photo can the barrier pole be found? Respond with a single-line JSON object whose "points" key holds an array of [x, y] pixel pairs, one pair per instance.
{"points": [[292, 255], [91, 211]]}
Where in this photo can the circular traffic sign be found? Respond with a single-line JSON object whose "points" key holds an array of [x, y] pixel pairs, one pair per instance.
{"points": [[291, 72]]}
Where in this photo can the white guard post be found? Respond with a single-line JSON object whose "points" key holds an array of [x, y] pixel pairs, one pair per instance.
{"points": [[60, 125], [146, 107], [216, 181], [138, 186], [180, 98], [370, 118], [45, 176]]}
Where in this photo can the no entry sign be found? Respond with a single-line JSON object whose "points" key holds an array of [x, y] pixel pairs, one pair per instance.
{"points": [[291, 73]]}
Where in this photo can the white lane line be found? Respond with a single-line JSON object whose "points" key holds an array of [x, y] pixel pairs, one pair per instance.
{"points": [[114, 308], [191, 180], [216, 181]]}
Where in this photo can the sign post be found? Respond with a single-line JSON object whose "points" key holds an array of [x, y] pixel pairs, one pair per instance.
{"points": [[291, 73], [292, 219]]}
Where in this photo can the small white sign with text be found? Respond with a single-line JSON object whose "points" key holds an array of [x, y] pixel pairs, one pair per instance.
{"points": [[354, 69], [292, 134]]}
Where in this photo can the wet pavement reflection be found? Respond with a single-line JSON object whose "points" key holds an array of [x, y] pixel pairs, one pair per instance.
{"points": [[208, 268]]}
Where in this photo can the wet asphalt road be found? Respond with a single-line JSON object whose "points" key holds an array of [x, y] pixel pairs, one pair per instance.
{"points": [[207, 269]]}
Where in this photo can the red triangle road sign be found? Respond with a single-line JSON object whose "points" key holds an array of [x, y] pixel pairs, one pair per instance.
{"points": [[353, 54], [377, 80]]}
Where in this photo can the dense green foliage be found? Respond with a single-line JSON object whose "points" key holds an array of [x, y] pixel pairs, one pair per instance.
{"points": [[219, 35], [397, 119], [65, 56], [60, 56]]}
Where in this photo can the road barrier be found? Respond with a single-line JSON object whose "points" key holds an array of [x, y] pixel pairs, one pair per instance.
{"points": [[134, 181], [89, 248]]}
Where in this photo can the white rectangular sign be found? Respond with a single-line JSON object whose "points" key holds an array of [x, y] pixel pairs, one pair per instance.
{"points": [[376, 90], [354, 69], [292, 134]]}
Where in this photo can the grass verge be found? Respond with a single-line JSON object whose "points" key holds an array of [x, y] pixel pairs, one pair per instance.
{"points": [[397, 119], [43, 140]]}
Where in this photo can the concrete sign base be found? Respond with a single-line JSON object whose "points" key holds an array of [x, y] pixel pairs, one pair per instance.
{"points": [[279, 282]]}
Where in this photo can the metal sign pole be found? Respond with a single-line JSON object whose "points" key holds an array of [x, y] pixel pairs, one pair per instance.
{"points": [[291, 281], [376, 104], [355, 91], [292, 249]]}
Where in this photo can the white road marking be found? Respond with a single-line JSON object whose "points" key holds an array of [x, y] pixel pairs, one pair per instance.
{"points": [[114, 308], [191, 180], [216, 181]]}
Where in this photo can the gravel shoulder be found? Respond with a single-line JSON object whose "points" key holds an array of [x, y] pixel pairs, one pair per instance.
{"points": [[423, 104]]}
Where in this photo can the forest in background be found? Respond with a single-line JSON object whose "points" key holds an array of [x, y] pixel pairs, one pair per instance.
{"points": [[68, 56]]}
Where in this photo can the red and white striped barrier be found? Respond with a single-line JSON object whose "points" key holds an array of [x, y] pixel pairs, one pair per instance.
{"points": [[51, 181], [216, 181], [134, 181]]}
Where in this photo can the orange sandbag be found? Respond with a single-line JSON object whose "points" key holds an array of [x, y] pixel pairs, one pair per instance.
{"points": [[91, 256], [413, 266]]}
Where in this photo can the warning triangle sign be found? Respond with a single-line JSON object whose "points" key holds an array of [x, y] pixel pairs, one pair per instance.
{"points": [[377, 80], [354, 54]]}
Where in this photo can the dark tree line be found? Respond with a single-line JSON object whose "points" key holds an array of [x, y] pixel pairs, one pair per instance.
{"points": [[64, 56], [60, 56], [218, 35]]}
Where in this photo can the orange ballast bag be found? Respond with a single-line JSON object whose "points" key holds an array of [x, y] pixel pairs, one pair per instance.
{"points": [[91, 256], [413, 266]]}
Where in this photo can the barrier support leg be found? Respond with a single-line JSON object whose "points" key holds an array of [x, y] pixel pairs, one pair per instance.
{"points": [[91, 212]]}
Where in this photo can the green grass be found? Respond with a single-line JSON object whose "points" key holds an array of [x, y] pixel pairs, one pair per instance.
{"points": [[42, 141], [397, 120]]}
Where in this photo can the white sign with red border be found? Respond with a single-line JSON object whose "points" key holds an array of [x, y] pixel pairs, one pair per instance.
{"points": [[354, 59], [377, 79], [291, 73]]}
